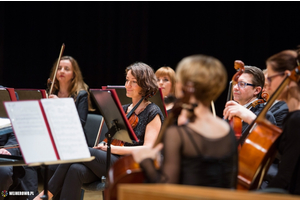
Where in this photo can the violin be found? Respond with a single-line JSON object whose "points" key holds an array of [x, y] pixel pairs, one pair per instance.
{"points": [[259, 146], [125, 169], [236, 122], [264, 99]]}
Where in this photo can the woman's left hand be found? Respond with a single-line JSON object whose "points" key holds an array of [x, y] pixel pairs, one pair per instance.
{"points": [[146, 152]]}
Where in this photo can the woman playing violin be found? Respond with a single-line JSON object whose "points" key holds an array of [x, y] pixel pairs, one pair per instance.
{"points": [[203, 151], [140, 82], [279, 66], [69, 83]]}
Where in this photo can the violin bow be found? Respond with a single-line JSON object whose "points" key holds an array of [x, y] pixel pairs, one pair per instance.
{"points": [[213, 108], [53, 78]]}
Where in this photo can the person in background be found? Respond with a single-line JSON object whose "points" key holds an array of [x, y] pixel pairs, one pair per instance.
{"points": [[68, 178], [247, 90], [9, 175], [69, 83], [280, 110], [166, 81], [278, 67], [203, 151]]}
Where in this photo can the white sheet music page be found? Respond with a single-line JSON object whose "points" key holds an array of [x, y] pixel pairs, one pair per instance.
{"points": [[66, 128], [31, 132]]}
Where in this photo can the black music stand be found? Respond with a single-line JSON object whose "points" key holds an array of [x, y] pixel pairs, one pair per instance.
{"points": [[118, 126], [157, 98]]}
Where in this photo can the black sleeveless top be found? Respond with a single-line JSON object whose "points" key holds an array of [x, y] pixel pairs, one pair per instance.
{"points": [[145, 117]]}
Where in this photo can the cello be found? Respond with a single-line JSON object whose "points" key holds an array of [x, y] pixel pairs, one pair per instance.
{"points": [[236, 122], [258, 145], [125, 169]]}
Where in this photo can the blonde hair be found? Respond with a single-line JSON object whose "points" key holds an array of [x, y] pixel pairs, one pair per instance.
{"points": [[77, 82], [167, 71], [207, 75]]}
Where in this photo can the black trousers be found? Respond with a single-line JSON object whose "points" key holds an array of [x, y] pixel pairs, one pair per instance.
{"points": [[68, 178]]}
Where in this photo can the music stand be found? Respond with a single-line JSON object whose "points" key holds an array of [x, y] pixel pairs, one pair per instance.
{"points": [[157, 98], [118, 126]]}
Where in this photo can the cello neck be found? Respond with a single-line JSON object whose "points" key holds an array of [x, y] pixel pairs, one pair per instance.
{"points": [[262, 114], [229, 94], [294, 75]]}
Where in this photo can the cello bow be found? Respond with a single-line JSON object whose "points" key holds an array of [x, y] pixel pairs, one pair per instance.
{"points": [[259, 144]]}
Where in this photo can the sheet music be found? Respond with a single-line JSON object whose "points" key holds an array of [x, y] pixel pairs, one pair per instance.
{"points": [[66, 128], [30, 130]]}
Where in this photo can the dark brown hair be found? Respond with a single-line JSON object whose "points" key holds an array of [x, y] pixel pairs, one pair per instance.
{"points": [[145, 77], [258, 77]]}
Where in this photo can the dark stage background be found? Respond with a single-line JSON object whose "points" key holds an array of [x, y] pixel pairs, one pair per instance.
{"points": [[105, 37]]}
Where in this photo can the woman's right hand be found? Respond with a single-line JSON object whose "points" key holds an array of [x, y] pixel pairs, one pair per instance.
{"points": [[146, 152], [53, 96]]}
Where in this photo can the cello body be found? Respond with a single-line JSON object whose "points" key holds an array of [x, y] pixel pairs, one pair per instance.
{"points": [[257, 154], [258, 149]]}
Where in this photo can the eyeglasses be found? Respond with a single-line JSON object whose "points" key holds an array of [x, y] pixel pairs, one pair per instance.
{"points": [[243, 84], [269, 78]]}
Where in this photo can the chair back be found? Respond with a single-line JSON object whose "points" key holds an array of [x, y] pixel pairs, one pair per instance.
{"points": [[121, 92], [93, 129], [31, 94], [6, 94]]}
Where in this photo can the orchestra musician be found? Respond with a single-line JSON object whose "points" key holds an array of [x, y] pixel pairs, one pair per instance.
{"points": [[203, 151], [9, 177], [278, 66], [166, 81], [247, 90], [140, 81], [69, 83], [280, 110], [17, 178]]}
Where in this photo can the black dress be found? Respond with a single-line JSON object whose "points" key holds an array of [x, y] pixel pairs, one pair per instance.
{"points": [[192, 159], [288, 176]]}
